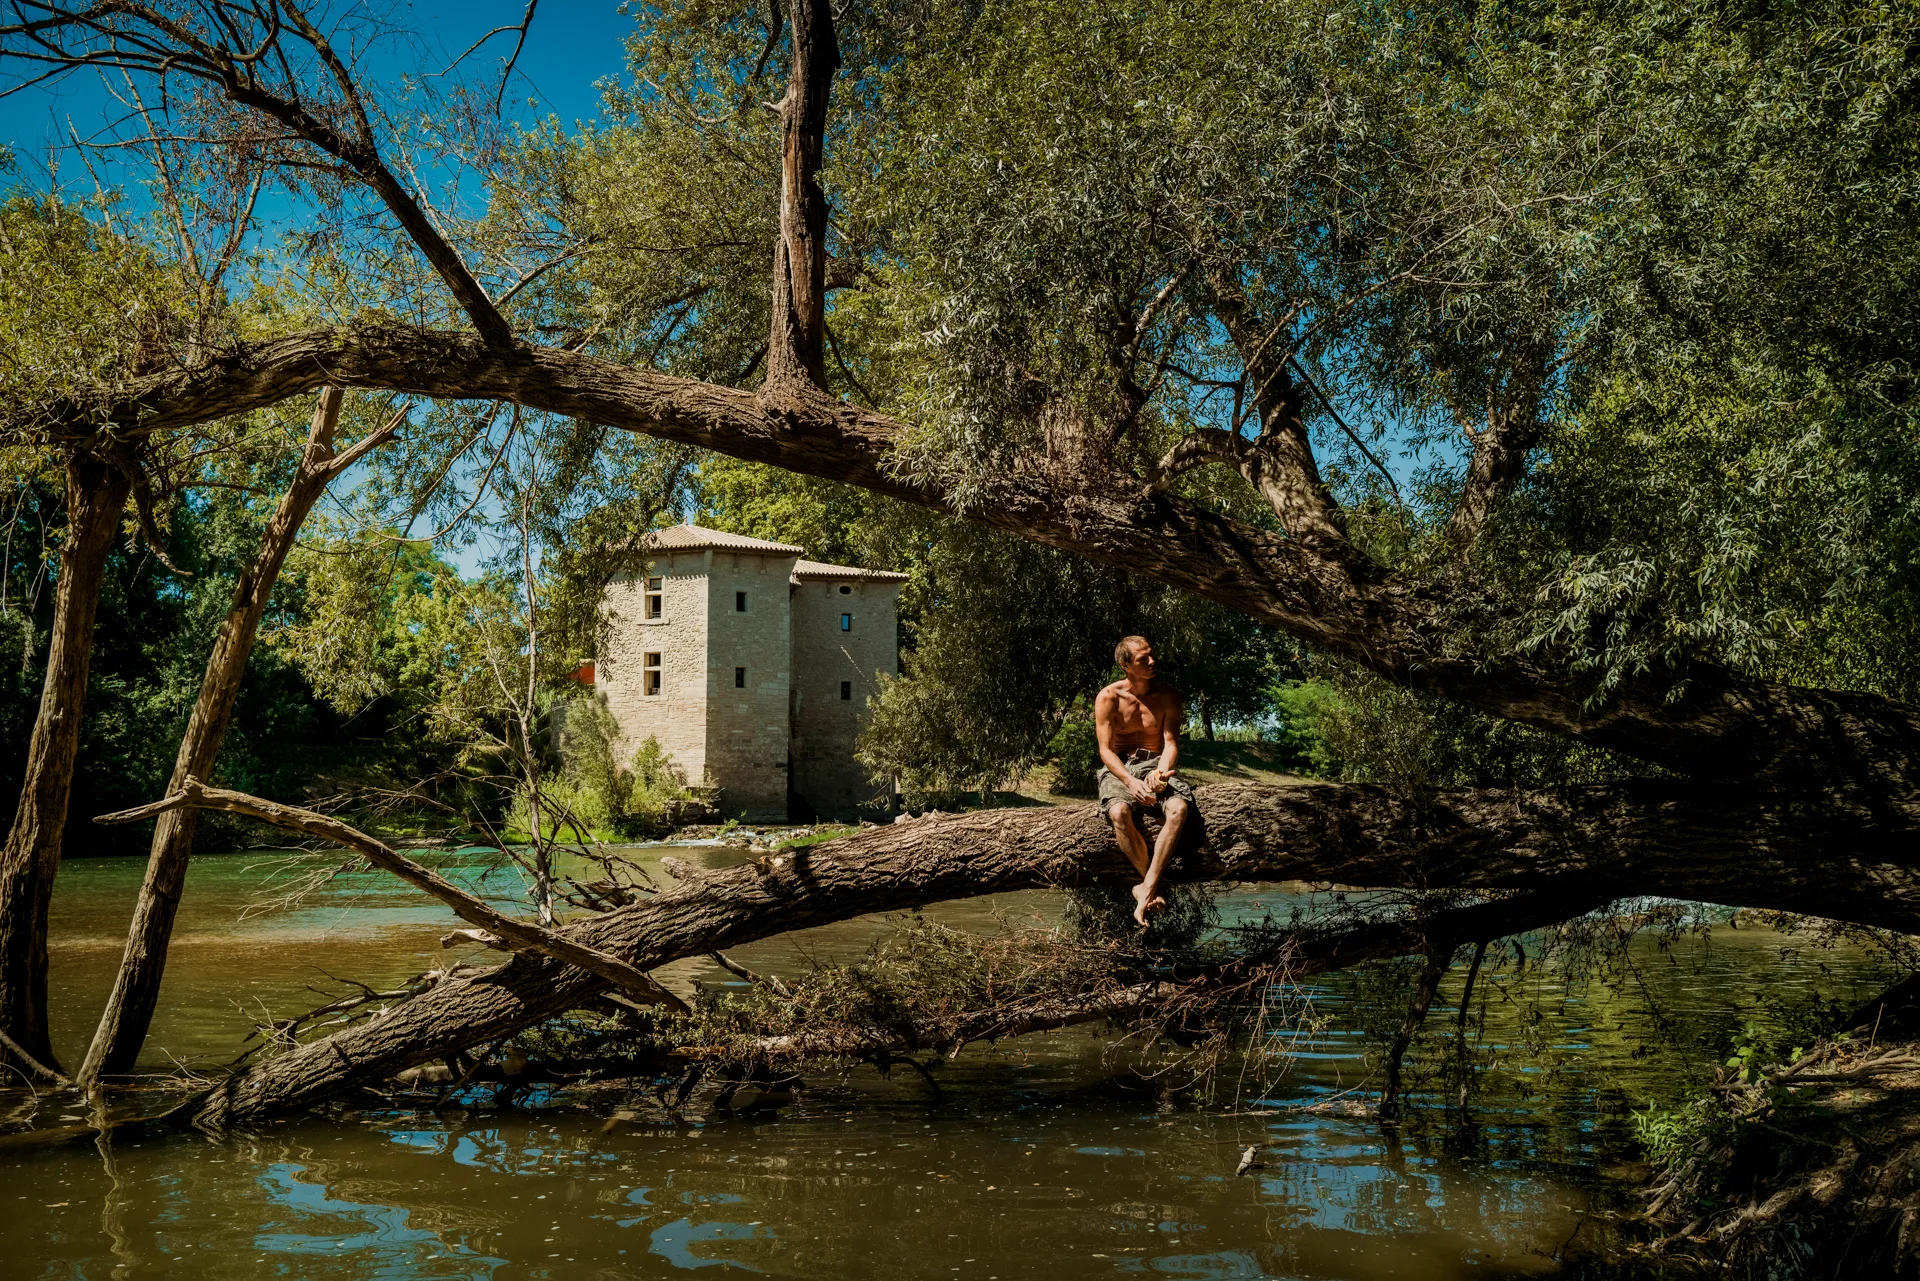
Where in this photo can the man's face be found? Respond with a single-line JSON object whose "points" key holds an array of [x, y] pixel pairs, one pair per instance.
{"points": [[1140, 662]]}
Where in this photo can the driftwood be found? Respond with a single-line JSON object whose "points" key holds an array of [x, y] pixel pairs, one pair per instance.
{"points": [[610, 969], [1572, 847]]}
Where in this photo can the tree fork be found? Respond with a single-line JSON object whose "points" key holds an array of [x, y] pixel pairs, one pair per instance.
{"points": [[136, 990], [96, 497]]}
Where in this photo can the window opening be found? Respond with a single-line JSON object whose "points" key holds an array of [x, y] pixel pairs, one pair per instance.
{"points": [[739, 602], [650, 675], [739, 678], [845, 590], [846, 622], [846, 691], [655, 598]]}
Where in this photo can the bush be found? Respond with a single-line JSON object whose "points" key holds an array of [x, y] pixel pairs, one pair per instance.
{"points": [[632, 801], [1075, 752]]}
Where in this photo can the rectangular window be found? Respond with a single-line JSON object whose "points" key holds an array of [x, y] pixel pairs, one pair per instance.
{"points": [[655, 598], [846, 622], [739, 602], [739, 678], [846, 691], [650, 675]]}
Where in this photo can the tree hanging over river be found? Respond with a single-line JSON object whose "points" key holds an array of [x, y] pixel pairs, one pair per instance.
{"points": [[1154, 287]]}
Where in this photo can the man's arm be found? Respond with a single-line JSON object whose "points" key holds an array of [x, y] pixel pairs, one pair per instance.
{"points": [[1172, 717]]}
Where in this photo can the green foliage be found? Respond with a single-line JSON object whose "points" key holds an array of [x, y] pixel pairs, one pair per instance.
{"points": [[1352, 725], [1075, 752], [1671, 1135], [634, 800], [80, 303]]}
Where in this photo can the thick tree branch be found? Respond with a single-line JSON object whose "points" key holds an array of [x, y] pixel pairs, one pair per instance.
{"points": [[1500, 448], [1717, 725], [1281, 466], [796, 353]]}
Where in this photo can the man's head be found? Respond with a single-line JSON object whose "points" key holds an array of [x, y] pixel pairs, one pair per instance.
{"points": [[1135, 657]]}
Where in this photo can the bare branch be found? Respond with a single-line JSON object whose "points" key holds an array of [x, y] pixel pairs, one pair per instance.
{"points": [[610, 968], [134, 36]]}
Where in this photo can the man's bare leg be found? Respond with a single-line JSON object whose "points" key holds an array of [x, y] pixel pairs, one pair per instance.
{"points": [[1173, 812], [1133, 841]]}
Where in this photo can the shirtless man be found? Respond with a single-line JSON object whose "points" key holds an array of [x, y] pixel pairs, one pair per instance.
{"points": [[1137, 722]]}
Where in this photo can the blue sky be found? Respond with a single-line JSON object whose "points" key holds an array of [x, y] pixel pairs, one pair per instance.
{"points": [[572, 44]]}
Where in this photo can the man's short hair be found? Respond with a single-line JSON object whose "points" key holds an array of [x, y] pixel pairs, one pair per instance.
{"points": [[1124, 650]]}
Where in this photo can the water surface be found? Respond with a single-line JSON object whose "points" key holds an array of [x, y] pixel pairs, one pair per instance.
{"points": [[1049, 1157]]}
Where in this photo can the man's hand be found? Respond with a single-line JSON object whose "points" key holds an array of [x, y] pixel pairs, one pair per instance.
{"points": [[1142, 790]]}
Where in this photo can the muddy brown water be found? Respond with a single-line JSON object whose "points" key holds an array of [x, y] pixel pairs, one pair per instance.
{"points": [[1049, 1158]]}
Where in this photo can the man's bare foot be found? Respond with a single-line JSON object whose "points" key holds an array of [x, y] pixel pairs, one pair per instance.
{"points": [[1142, 904]]}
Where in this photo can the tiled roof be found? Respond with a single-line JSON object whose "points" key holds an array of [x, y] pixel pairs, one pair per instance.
{"points": [[816, 569], [692, 537]]}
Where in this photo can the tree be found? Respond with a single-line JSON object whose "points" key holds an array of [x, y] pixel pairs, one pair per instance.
{"points": [[1105, 259]]}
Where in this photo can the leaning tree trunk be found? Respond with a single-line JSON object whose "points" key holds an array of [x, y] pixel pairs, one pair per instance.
{"points": [[1587, 845], [136, 989], [96, 497]]}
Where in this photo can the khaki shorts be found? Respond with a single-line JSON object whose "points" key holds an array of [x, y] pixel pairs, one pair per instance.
{"points": [[1140, 764]]}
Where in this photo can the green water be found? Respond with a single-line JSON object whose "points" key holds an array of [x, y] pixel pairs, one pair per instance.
{"points": [[1048, 1157]]}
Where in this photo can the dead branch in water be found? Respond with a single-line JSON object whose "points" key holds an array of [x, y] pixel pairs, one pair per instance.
{"points": [[627, 978]]}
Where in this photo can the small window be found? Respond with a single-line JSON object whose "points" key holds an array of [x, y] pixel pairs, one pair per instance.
{"points": [[739, 602], [846, 691], [845, 590], [655, 598], [650, 675], [846, 622], [739, 678]]}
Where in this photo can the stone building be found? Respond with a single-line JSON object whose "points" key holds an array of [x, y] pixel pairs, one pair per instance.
{"points": [[752, 667]]}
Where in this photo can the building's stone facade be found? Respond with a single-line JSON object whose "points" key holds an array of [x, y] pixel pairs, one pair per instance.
{"points": [[765, 664]]}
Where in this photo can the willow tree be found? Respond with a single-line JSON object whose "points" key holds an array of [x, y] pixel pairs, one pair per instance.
{"points": [[1133, 282]]}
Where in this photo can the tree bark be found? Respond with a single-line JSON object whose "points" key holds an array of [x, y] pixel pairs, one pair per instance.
{"points": [[96, 497], [1439, 961], [796, 349], [1593, 844], [136, 990]]}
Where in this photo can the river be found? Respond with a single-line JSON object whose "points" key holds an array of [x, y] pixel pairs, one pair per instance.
{"points": [[1047, 1158]]}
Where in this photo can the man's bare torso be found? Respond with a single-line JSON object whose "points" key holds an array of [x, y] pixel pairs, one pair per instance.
{"points": [[1140, 722]]}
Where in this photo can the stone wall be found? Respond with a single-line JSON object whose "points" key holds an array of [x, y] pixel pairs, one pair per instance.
{"points": [[746, 750], [677, 715], [825, 725]]}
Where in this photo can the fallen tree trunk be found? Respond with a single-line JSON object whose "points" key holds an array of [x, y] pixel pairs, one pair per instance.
{"points": [[1717, 723], [136, 988], [1677, 838]]}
